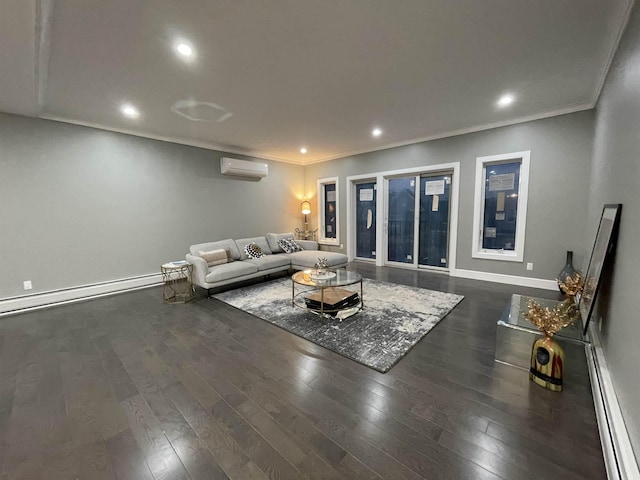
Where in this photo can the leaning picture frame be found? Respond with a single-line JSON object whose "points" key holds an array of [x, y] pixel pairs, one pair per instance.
{"points": [[600, 255]]}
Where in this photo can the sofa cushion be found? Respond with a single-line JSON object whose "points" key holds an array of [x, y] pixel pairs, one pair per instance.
{"points": [[230, 270], [308, 244], [289, 245], [253, 250], [217, 257], [273, 238], [221, 244], [308, 258], [270, 261], [260, 241]]}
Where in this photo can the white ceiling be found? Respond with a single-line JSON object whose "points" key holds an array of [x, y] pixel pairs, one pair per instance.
{"points": [[277, 75]]}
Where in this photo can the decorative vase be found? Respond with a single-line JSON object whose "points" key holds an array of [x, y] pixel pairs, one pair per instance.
{"points": [[547, 363], [567, 270]]}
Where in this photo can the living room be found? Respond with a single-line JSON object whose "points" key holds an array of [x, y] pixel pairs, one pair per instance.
{"points": [[91, 210]]}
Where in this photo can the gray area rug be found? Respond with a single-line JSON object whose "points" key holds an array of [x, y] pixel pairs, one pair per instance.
{"points": [[394, 318]]}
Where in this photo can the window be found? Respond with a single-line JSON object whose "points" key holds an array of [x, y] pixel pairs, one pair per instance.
{"points": [[500, 207], [328, 211]]}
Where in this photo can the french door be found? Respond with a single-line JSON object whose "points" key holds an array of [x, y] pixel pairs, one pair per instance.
{"points": [[365, 213], [417, 211]]}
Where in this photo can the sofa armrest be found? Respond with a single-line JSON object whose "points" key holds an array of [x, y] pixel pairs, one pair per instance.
{"points": [[200, 269], [308, 244]]}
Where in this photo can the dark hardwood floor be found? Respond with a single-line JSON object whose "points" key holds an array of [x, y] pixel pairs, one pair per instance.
{"points": [[127, 387]]}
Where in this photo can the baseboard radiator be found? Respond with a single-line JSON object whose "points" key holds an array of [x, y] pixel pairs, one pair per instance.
{"points": [[37, 301], [619, 458]]}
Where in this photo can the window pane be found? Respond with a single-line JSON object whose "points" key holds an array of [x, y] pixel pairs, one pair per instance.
{"points": [[366, 220], [401, 213], [330, 210], [501, 184], [434, 220]]}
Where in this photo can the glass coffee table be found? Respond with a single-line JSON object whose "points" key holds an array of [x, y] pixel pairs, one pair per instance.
{"points": [[323, 292]]}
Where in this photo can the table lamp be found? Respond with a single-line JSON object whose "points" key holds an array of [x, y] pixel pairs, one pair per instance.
{"points": [[306, 210]]}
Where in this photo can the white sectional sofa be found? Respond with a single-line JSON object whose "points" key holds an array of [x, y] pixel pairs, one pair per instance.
{"points": [[241, 267]]}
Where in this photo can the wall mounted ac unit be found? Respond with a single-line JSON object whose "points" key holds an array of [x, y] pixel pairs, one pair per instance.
{"points": [[243, 168]]}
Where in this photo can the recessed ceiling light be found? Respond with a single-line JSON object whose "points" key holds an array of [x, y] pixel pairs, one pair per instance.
{"points": [[303, 150], [376, 132], [184, 50], [506, 100], [130, 111]]}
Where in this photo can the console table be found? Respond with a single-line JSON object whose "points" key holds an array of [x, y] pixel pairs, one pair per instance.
{"points": [[306, 234], [515, 334]]}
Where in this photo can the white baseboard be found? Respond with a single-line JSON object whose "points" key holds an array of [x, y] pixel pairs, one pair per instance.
{"points": [[508, 279], [619, 458], [36, 301]]}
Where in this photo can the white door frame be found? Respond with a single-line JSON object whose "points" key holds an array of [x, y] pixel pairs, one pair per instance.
{"points": [[381, 221]]}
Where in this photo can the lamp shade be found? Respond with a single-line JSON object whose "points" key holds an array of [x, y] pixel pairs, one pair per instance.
{"points": [[306, 208]]}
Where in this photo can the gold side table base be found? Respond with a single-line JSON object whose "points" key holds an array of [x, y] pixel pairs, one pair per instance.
{"points": [[177, 283]]}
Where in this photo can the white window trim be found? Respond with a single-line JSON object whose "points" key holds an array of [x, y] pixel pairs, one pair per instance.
{"points": [[322, 239], [478, 211]]}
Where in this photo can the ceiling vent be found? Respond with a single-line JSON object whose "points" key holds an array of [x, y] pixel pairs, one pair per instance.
{"points": [[243, 168]]}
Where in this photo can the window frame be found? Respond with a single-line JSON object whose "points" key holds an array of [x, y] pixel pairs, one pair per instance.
{"points": [[477, 251], [322, 238]]}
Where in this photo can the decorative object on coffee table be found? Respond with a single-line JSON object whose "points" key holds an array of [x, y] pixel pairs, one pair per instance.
{"points": [[321, 264]]}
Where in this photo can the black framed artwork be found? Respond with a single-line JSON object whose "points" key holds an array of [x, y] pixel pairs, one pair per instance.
{"points": [[600, 255]]}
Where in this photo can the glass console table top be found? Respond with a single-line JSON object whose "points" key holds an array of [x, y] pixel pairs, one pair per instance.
{"points": [[513, 317]]}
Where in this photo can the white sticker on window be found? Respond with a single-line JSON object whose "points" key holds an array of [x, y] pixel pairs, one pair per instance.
{"points": [[435, 187], [504, 181], [435, 204], [490, 232], [366, 195], [500, 202]]}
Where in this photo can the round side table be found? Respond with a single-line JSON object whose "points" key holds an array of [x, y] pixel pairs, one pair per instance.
{"points": [[178, 287]]}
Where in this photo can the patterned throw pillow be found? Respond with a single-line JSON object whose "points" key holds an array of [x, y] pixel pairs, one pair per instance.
{"points": [[289, 245], [253, 250]]}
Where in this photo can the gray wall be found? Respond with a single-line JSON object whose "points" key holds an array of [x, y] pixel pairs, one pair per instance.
{"points": [[80, 205], [615, 178], [559, 177]]}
